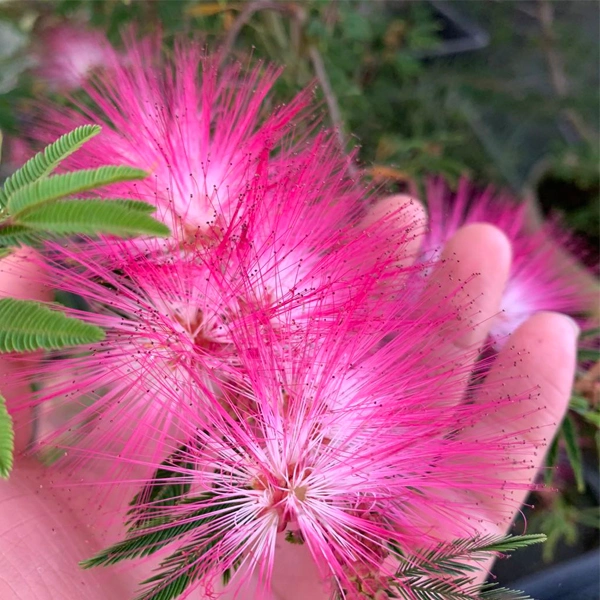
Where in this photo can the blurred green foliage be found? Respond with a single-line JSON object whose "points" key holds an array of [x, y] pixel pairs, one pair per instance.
{"points": [[491, 113]]}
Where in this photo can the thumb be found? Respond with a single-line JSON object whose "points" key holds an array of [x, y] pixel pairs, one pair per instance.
{"points": [[20, 277]]}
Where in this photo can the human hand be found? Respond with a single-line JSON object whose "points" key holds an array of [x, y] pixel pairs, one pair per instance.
{"points": [[45, 530]]}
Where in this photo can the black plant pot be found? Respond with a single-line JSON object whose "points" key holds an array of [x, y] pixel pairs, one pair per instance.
{"points": [[458, 33]]}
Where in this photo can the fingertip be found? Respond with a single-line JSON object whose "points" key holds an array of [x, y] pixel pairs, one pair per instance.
{"points": [[565, 325], [406, 210], [549, 329], [543, 350], [470, 278], [403, 221], [554, 336], [485, 241]]}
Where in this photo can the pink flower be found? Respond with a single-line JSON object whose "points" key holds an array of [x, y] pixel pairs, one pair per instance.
{"points": [[169, 313], [540, 278], [283, 244], [265, 225], [66, 55], [166, 332], [345, 446], [206, 138], [272, 353]]}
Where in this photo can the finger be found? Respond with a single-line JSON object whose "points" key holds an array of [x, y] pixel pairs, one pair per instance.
{"points": [[465, 288], [42, 538], [460, 297], [407, 217], [20, 277], [534, 374]]}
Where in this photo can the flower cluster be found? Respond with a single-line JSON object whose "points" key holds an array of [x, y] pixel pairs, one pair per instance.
{"points": [[275, 367]]}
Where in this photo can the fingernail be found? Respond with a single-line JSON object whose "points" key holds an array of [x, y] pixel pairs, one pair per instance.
{"points": [[573, 324]]}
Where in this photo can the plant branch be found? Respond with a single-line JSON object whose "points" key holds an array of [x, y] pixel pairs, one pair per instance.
{"points": [[242, 20], [332, 104], [556, 67], [315, 57]]}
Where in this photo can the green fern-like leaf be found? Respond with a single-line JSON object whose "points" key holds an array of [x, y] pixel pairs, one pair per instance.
{"points": [[490, 591], [448, 571], [588, 354], [459, 589], [551, 460], [17, 235], [7, 438], [26, 326], [43, 163], [143, 207], [50, 189], [79, 216], [589, 333], [181, 569], [148, 540], [167, 487], [449, 558], [507, 543], [169, 590]]}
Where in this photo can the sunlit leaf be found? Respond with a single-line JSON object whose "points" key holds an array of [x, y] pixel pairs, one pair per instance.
{"points": [[65, 217], [26, 326], [53, 188], [43, 163]]}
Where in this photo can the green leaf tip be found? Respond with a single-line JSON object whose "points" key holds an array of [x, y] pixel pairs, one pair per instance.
{"points": [[167, 487], [26, 325], [573, 447], [7, 439], [44, 162], [94, 216], [51, 189]]}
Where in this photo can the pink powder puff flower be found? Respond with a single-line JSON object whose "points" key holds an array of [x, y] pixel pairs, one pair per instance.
{"points": [[539, 279], [217, 150], [264, 222], [345, 446], [66, 55], [305, 248], [166, 332], [168, 309], [203, 135]]}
